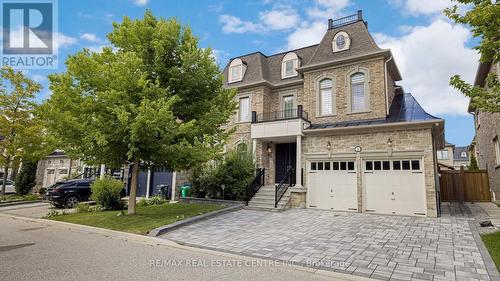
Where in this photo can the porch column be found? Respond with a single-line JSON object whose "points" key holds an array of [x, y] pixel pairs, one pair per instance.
{"points": [[148, 183], [103, 171], [254, 151], [298, 163]]}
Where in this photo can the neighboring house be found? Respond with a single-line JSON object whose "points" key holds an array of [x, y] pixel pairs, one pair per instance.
{"points": [[55, 167], [453, 157], [331, 116], [486, 144]]}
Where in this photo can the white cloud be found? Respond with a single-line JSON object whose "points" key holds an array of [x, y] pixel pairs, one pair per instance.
{"points": [[232, 24], [423, 7], [307, 34], [220, 56], [427, 57], [325, 9], [91, 37], [279, 18], [38, 78], [141, 2], [61, 40]]}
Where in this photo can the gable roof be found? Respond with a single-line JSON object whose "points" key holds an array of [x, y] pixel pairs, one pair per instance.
{"points": [[404, 108], [457, 153]]}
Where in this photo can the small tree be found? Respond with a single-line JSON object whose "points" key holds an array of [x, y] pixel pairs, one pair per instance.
{"points": [[473, 163], [483, 17], [21, 133], [26, 178]]}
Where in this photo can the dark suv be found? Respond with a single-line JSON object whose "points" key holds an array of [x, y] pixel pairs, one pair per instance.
{"points": [[69, 193]]}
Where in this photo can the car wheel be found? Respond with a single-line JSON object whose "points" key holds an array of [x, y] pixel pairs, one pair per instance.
{"points": [[71, 201]]}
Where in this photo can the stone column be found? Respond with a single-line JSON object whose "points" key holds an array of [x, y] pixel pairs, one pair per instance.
{"points": [[148, 183], [298, 163], [103, 171]]}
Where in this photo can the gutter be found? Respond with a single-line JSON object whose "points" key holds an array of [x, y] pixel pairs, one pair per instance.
{"points": [[386, 86], [430, 123], [344, 60]]}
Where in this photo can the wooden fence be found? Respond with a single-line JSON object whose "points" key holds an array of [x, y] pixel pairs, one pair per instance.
{"points": [[465, 186]]}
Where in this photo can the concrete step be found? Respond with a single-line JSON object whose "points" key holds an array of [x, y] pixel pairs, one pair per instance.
{"points": [[266, 198]]}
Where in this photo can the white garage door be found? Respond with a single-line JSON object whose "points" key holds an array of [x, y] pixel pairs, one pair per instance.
{"points": [[394, 187], [332, 185]]}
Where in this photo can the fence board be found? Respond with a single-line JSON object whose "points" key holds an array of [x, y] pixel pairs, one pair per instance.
{"points": [[464, 186]]}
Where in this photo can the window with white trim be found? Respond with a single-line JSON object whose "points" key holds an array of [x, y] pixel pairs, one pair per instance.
{"points": [[496, 143], [442, 154], [463, 154], [326, 97], [358, 95], [289, 65], [244, 109], [236, 71]]}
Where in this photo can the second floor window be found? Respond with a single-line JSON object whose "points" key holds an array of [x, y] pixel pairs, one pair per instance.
{"points": [[244, 109], [442, 154], [358, 98], [325, 97]]}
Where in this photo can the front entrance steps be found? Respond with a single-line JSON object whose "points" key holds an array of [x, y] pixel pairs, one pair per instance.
{"points": [[264, 199]]}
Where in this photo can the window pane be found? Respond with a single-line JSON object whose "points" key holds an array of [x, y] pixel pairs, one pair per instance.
{"points": [[350, 166], [415, 164], [335, 166], [358, 92], [405, 164], [235, 73], [396, 165], [244, 109], [377, 165], [343, 166], [369, 165], [289, 71], [320, 165], [386, 165], [325, 83], [288, 106], [327, 166], [313, 166]]}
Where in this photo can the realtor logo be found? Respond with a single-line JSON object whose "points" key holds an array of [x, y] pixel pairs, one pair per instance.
{"points": [[28, 34]]}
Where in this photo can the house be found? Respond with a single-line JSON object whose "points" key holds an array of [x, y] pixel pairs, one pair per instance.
{"points": [[486, 144], [55, 167], [453, 157], [329, 121]]}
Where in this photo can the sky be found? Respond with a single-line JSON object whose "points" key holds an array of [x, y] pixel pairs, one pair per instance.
{"points": [[427, 47]]}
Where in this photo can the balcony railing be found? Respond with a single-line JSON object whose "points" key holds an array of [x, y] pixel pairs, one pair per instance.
{"points": [[280, 115], [345, 20]]}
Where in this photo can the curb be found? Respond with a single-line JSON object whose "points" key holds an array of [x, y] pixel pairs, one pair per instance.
{"points": [[170, 227], [488, 261], [20, 203]]}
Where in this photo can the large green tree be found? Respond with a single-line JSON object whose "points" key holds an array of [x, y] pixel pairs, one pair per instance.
{"points": [[21, 133], [483, 16], [154, 97]]}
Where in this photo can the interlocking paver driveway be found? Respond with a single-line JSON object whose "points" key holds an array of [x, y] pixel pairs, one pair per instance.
{"points": [[376, 246]]}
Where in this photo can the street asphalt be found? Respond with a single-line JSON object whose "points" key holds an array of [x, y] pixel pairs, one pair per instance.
{"points": [[36, 249]]}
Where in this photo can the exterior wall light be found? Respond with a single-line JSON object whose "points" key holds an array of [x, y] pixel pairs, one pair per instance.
{"points": [[328, 145], [389, 142], [269, 150]]}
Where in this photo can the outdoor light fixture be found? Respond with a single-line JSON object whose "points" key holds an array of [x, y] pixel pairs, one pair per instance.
{"points": [[269, 149], [328, 145], [389, 142]]}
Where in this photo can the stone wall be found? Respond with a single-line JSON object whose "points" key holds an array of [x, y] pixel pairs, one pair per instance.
{"points": [[489, 128], [403, 140]]}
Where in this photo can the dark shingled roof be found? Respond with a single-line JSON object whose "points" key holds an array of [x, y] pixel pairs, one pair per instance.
{"points": [[404, 108], [457, 153]]}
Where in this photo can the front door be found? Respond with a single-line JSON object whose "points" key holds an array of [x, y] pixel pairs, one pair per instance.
{"points": [[285, 159]]}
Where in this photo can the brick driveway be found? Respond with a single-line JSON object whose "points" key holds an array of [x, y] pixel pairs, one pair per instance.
{"points": [[375, 246]]}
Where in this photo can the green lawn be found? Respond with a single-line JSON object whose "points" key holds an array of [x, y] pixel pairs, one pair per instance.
{"points": [[16, 198], [492, 242], [146, 219]]}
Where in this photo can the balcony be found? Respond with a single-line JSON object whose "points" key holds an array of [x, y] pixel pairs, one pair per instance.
{"points": [[279, 124]]}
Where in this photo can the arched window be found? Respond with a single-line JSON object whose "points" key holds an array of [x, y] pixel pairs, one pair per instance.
{"points": [[289, 65], [326, 97], [463, 154], [236, 70], [358, 95]]}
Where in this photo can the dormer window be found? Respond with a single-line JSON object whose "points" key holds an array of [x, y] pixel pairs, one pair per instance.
{"points": [[236, 70], [341, 42], [289, 65], [463, 154]]}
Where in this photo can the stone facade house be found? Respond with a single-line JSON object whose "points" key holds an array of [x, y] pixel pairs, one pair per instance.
{"points": [[453, 157], [486, 144], [329, 121], [55, 167]]}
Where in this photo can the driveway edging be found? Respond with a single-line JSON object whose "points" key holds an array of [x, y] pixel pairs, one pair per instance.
{"points": [[8, 204], [491, 268], [173, 226]]}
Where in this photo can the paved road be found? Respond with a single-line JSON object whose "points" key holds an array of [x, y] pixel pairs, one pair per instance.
{"points": [[33, 249]]}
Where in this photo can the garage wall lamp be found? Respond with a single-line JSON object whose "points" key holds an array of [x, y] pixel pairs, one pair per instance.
{"points": [[389, 142], [269, 150], [329, 145], [389, 147]]}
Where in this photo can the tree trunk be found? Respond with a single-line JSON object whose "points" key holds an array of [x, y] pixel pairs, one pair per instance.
{"points": [[133, 187], [4, 182]]}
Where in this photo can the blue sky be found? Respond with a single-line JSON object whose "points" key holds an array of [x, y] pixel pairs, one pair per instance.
{"points": [[427, 47]]}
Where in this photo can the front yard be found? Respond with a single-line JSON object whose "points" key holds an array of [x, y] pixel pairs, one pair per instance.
{"points": [[146, 219], [18, 198], [492, 242]]}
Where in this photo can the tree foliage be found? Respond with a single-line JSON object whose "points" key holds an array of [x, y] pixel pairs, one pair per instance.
{"points": [[22, 136], [26, 179], [473, 163], [154, 97], [483, 17]]}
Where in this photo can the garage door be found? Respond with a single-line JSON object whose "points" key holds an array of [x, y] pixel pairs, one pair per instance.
{"points": [[394, 187], [332, 185]]}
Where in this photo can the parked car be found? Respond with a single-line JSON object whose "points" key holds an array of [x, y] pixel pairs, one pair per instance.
{"points": [[69, 193], [9, 187]]}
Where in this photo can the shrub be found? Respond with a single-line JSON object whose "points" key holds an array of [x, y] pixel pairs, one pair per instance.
{"points": [[42, 191], [106, 192], [473, 163], [25, 180], [236, 171], [155, 200], [82, 208]]}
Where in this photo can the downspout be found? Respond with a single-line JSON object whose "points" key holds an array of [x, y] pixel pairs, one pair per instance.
{"points": [[386, 86]]}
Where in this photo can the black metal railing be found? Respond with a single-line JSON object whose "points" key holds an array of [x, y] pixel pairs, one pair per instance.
{"points": [[345, 20], [256, 184], [283, 186], [292, 113]]}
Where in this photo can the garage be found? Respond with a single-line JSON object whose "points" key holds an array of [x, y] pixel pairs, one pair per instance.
{"points": [[394, 186], [332, 185]]}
